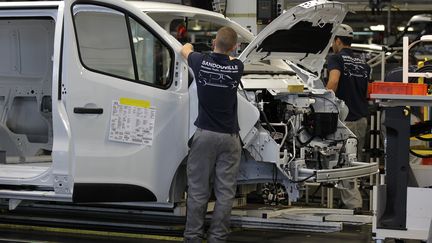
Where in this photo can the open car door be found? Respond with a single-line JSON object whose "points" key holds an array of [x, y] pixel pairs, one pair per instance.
{"points": [[125, 103]]}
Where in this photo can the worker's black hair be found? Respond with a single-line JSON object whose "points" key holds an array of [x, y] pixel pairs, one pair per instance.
{"points": [[345, 40]]}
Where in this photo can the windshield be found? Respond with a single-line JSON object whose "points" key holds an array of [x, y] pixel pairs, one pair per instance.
{"points": [[199, 30]]}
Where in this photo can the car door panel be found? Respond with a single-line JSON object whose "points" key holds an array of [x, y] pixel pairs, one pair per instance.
{"points": [[97, 74]]}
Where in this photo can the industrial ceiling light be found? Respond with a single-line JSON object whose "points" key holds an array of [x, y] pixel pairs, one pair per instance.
{"points": [[379, 27]]}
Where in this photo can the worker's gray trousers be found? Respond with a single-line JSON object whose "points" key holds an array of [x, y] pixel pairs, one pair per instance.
{"points": [[214, 157], [351, 196]]}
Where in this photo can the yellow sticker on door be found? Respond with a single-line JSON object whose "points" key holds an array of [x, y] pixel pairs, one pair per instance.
{"points": [[134, 102]]}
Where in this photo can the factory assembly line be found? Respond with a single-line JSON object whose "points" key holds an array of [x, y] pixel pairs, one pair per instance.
{"points": [[83, 123]]}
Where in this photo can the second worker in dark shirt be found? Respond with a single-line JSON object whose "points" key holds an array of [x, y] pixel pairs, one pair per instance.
{"points": [[349, 78]]}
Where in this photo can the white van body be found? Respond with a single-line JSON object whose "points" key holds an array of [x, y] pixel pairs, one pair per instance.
{"points": [[96, 102]]}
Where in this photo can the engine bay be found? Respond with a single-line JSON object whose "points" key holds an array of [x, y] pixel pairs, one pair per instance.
{"points": [[300, 131]]}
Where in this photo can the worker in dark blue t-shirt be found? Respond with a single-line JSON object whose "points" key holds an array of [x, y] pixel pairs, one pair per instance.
{"points": [[215, 149], [348, 78]]}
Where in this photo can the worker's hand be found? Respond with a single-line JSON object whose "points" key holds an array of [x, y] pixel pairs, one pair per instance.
{"points": [[186, 50]]}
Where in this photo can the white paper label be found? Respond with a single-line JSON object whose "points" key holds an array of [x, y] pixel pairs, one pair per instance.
{"points": [[132, 124]]}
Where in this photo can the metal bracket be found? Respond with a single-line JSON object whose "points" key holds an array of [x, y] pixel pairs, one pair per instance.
{"points": [[61, 184], [359, 169]]}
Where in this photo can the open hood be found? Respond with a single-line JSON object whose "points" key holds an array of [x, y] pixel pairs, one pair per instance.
{"points": [[302, 35]]}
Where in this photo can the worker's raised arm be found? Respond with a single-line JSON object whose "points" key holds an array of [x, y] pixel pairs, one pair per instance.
{"points": [[333, 80], [186, 50]]}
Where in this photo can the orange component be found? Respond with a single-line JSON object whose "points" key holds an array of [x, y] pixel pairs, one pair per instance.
{"points": [[397, 88]]}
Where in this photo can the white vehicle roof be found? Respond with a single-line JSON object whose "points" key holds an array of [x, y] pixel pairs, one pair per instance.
{"points": [[147, 6], [29, 3]]}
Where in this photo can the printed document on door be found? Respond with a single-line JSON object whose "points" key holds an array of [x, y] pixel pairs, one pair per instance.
{"points": [[132, 124]]}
